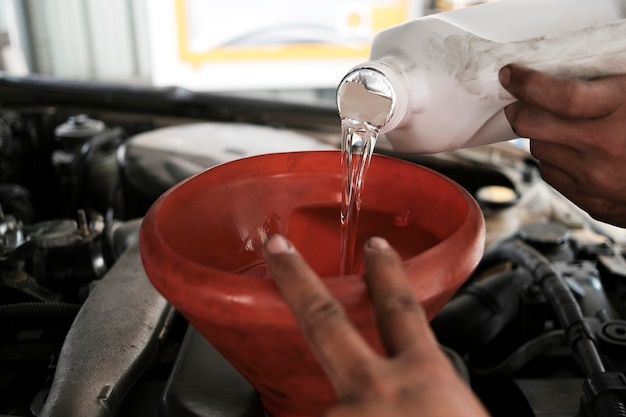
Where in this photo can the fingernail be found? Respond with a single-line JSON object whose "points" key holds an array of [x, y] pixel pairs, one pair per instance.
{"points": [[505, 76], [277, 244], [378, 243]]}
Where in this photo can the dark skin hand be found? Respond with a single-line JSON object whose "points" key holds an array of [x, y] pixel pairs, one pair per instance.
{"points": [[578, 133], [414, 379]]}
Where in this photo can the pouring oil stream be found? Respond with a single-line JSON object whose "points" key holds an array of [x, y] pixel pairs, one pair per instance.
{"points": [[365, 101]]}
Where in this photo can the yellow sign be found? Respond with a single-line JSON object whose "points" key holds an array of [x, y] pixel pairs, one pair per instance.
{"points": [[265, 30]]}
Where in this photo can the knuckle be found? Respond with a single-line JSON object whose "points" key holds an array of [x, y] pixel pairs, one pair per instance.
{"points": [[573, 100], [524, 120], [322, 309], [574, 105], [596, 177], [593, 143], [403, 302], [371, 381], [538, 149], [598, 174]]}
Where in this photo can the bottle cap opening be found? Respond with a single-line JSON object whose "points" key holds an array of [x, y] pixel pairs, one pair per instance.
{"points": [[369, 94]]}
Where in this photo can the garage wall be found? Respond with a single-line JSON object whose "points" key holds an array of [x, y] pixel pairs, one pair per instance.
{"points": [[89, 39]]}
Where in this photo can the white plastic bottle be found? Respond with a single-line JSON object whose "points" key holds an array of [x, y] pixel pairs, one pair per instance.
{"points": [[432, 85]]}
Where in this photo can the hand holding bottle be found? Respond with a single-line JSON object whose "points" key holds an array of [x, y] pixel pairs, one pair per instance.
{"points": [[416, 379], [578, 133]]}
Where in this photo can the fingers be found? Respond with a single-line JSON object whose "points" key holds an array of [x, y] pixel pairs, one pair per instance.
{"points": [[601, 208], [558, 109], [532, 122], [562, 157], [558, 178], [563, 97], [346, 357], [401, 319], [337, 344], [591, 189]]}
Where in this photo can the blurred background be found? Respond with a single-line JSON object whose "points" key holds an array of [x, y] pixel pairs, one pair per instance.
{"points": [[272, 48]]}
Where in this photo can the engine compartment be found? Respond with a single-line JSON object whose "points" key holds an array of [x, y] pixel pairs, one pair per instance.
{"points": [[538, 329]]}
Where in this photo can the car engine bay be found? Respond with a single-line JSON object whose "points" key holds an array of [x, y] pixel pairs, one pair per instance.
{"points": [[537, 330]]}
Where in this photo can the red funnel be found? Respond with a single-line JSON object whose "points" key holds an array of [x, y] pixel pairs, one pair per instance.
{"points": [[201, 247]]}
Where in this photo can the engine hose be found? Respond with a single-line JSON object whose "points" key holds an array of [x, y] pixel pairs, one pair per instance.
{"points": [[567, 310], [481, 311], [55, 309], [523, 355], [557, 294], [609, 404]]}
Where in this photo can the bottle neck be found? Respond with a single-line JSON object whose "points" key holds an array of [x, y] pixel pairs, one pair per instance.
{"points": [[376, 93]]}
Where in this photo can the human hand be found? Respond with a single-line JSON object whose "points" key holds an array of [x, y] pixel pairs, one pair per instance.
{"points": [[416, 379], [578, 133]]}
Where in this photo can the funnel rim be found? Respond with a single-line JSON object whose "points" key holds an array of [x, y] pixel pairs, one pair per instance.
{"points": [[349, 288]]}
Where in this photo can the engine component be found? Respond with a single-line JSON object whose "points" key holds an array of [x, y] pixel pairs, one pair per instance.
{"points": [[114, 354], [481, 311], [603, 386], [86, 163]]}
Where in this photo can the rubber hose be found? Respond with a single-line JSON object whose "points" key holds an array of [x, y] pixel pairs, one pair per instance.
{"points": [[57, 309], [557, 293], [566, 308], [609, 404], [523, 355], [480, 311]]}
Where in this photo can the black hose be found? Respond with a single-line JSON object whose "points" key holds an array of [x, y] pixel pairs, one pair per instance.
{"points": [[556, 291], [523, 355], [481, 311], [557, 294], [609, 404], [54, 309], [567, 310]]}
